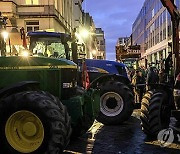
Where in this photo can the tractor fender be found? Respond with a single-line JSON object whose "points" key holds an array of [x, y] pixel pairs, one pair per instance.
{"points": [[19, 87], [114, 77]]}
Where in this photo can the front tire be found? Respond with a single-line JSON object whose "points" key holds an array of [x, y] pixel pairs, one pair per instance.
{"points": [[116, 103], [33, 122], [155, 112]]}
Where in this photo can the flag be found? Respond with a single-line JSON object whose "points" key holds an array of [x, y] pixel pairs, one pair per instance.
{"points": [[85, 76]]}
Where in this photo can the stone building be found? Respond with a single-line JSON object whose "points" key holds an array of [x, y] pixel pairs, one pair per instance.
{"points": [[66, 16], [53, 15], [121, 48], [77, 14], [91, 40], [33, 15], [101, 46], [125, 49]]}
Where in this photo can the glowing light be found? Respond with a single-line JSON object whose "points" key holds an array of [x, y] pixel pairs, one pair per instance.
{"points": [[5, 35], [78, 36], [94, 52], [84, 33], [25, 53]]}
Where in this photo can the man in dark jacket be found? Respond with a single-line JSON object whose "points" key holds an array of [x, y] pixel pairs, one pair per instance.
{"points": [[152, 78], [138, 81]]}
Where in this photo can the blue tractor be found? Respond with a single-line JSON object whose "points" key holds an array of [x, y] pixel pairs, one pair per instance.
{"points": [[116, 92]]}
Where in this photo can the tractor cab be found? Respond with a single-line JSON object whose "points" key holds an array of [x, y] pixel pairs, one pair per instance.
{"points": [[39, 44], [50, 44]]}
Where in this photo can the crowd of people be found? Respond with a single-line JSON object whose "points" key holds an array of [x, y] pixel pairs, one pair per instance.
{"points": [[144, 79]]}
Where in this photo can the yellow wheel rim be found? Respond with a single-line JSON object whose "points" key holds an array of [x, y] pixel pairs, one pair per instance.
{"points": [[24, 131]]}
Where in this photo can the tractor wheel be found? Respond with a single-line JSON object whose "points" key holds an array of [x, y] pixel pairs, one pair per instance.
{"points": [[33, 122], [155, 112], [116, 103]]}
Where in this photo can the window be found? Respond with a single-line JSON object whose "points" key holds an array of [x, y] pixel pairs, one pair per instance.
{"points": [[169, 30], [158, 38], [178, 4], [50, 47], [101, 42], [32, 2], [121, 70], [153, 13], [164, 33], [32, 26], [161, 36], [164, 16]]}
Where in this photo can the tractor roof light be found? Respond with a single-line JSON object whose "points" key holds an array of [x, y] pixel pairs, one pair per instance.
{"points": [[25, 53]]}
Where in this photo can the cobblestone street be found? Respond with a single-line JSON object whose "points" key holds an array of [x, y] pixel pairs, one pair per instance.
{"points": [[120, 139]]}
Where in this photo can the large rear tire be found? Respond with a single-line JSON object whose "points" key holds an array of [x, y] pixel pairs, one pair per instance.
{"points": [[116, 103], [155, 112], [33, 122]]}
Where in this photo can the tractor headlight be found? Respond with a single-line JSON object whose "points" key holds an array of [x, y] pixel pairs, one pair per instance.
{"points": [[25, 53]]}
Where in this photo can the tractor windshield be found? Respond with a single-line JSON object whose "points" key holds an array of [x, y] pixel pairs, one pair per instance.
{"points": [[50, 47]]}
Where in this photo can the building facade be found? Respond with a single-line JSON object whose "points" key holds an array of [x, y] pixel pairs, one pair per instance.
{"points": [[33, 15], [66, 16], [77, 14], [101, 44], [90, 42], [121, 48], [152, 31], [54, 15], [125, 49]]}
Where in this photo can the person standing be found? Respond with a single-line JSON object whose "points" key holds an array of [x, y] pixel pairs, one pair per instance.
{"points": [[138, 81], [152, 78], [162, 76]]}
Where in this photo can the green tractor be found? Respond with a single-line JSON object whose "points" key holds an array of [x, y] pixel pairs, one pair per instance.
{"points": [[39, 103]]}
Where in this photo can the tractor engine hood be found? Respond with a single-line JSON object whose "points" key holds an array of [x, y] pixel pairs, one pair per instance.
{"points": [[20, 62]]}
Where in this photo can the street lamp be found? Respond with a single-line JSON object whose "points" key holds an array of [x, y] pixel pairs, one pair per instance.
{"points": [[5, 35], [84, 33], [94, 52]]}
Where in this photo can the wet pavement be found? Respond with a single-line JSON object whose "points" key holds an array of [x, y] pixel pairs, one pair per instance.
{"points": [[127, 138]]}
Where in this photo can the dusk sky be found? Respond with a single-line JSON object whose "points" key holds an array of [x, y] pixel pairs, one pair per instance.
{"points": [[115, 17]]}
